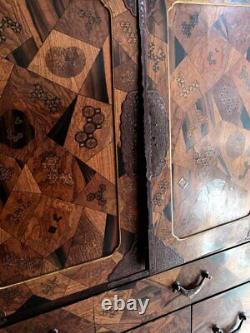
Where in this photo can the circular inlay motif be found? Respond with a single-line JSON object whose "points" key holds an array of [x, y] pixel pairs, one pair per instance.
{"points": [[65, 62], [88, 111], [89, 128], [235, 145], [94, 120], [81, 137], [98, 119], [91, 143]]}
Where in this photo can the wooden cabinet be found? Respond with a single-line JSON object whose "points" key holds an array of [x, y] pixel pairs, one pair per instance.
{"points": [[124, 161]]}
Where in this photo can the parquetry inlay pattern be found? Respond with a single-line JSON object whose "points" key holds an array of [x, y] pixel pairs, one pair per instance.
{"points": [[210, 115], [50, 127]]}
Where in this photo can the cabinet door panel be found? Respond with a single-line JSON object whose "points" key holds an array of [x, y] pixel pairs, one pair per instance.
{"points": [[68, 147], [61, 200], [209, 112], [196, 123]]}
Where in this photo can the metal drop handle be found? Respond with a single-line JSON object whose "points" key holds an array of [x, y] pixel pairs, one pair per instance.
{"points": [[237, 326], [178, 288]]}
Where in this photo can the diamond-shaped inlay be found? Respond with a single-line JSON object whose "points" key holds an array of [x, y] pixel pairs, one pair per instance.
{"points": [[183, 183]]}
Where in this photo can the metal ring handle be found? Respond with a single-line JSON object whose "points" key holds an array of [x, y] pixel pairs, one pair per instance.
{"points": [[237, 326], [178, 288]]}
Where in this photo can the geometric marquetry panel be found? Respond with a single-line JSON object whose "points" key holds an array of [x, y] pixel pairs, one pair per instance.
{"points": [[58, 185], [210, 115]]}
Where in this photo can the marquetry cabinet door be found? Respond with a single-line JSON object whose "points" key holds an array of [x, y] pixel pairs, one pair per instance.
{"points": [[69, 139], [197, 122]]}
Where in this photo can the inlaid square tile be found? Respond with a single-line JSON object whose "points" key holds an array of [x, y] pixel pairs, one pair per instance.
{"points": [[187, 85], [14, 29], [213, 57], [64, 60], [88, 21], [189, 24], [90, 130]]}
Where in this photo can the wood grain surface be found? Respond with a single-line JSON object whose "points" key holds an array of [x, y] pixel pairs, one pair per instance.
{"points": [[223, 311], [228, 269], [209, 118], [178, 322], [70, 319], [69, 202], [54, 133], [198, 65]]}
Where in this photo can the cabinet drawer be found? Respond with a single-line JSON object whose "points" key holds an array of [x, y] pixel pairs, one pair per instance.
{"points": [[228, 269], [179, 322], [227, 313], [73, 319]]}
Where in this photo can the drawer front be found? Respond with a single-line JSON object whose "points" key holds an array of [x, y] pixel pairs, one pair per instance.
{"points": [[73, 319], [228, 269], [179, 322], [225, 312]]}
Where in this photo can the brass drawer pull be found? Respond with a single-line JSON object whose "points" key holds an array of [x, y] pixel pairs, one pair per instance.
{"points": [[54, 330], [236, 328], [178, 288]]}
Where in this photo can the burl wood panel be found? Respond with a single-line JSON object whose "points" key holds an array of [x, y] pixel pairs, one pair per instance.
{"points": [[228, 269], [68, 148], [212, 98], [178, 322], [223, 311]]}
